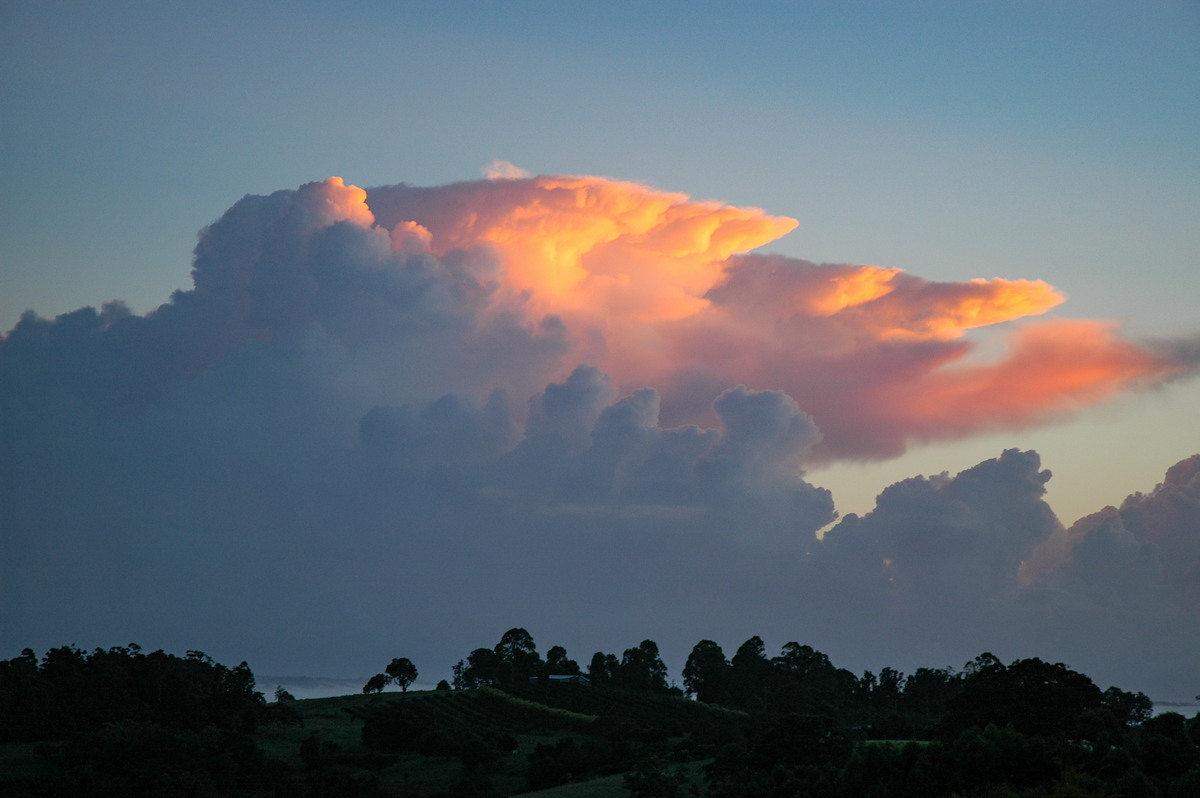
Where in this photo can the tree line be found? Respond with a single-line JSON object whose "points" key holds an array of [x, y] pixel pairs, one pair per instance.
{"points": [[515, 659], [1034, 696], [71, 690], [123, 721], [1026, 728]]}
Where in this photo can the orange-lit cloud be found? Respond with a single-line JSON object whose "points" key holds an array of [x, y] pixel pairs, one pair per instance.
{"points": [[897, 368], [658, 291], [591, 246], [334, 201], [1054, 367], [941, 311]]}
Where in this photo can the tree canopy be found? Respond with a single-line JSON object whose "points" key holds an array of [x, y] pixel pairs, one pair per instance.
{"points": [[402, 672]]}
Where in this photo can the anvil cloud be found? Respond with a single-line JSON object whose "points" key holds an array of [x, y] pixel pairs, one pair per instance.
{"points": [[493, 403]]}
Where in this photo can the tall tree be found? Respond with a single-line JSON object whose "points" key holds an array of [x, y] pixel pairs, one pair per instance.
{"points": [[706, 673], [516, 647], [642, 668], [603, 668], [803, 661], [750, 674], [888, 688]]}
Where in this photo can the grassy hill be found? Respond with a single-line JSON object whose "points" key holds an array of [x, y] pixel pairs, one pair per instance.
{"points": [[556, 737]]}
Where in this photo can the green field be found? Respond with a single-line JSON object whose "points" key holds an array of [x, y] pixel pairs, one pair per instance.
{"points": [[605, 729]]}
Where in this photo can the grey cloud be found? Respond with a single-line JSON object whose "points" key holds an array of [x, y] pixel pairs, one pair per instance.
{"points": [[766, 440], [567, 411], [961, 539], [938, 565], [1111, 566], [1150, 545], [580, 445]]}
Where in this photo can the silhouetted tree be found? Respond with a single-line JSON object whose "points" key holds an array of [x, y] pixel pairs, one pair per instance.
{"points": [[557, 663], [750, 675], [805, 681], [987, 661], [402, 672], [482, 667], [72, 691], [1165, 748], [927, 691], [516, 647], [642, 669], [1035, 697], [804, 662], [1130, 709], [376, 683], [866, 685], [603, 668], [888, 687], [706, 673]]}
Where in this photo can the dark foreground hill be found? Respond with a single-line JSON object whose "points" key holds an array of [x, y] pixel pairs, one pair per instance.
{"points": [[490, 741], [484, 741], [120, 722]]}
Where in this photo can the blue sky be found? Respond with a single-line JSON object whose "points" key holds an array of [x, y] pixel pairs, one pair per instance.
{"points": [[1044, 140]]}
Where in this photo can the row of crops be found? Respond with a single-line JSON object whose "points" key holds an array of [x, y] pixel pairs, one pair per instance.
{"points": [[448, 723], [641, 710]]}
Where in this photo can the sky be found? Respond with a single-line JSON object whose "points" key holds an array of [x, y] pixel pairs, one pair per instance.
{"points": [[415, 322]]}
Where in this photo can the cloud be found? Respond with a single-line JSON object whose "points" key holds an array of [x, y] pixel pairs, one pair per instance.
{"points": [[954, 545], [508, 284], [1150, 545], [979, 561], [766, 442], [586, 247], [879, 358], [565, 403], [582, 445], [503, 170]]}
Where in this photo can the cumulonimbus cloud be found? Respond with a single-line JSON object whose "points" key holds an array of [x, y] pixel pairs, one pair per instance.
{"points": [[653, 289], [650, 287], [462, 397]]}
